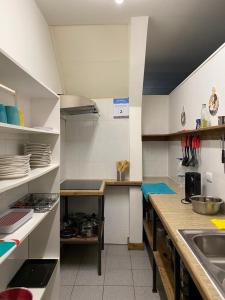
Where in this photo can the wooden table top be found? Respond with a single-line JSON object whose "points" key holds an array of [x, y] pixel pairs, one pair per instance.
{"points": [[174, 215], [101, 190]]}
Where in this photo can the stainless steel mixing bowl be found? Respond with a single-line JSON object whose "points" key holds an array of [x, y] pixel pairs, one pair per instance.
{"points": [[206, 205]]}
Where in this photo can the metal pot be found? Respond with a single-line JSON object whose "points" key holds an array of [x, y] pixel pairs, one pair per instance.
{"points": [[206, 205], [87, 229]]}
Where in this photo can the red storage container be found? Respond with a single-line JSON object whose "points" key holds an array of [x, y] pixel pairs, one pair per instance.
{"points": [[16, 294]]}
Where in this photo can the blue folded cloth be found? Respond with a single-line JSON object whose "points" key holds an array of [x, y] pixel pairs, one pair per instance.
{"points": [[155, 188], [5, 247]]}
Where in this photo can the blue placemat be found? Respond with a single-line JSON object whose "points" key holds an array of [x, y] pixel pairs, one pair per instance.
{"points": [[5, 247], [156, 188]]}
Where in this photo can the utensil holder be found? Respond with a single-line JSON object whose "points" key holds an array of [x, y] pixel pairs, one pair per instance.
{"points": [[120, 176]]}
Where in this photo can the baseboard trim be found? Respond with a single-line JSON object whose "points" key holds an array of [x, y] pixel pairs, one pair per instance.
{"points": [[136, 246]]}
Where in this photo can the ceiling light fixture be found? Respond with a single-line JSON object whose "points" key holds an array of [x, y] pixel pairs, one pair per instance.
{"points": [[119, 1]]}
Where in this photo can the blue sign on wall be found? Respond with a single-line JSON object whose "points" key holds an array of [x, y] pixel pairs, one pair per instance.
{"points": [[121, 107]]}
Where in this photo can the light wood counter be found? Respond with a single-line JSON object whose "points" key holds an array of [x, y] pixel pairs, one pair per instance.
{"points": [[127, 182], [101, 190], [77, 192], [174, 215]]}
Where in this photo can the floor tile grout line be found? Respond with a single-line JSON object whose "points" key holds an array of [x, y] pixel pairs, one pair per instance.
{"points": [[133, 283], [107, 285], [106, 256], [131, 268], [78, 269], [104, 271], [127, 285], [72, 292]]}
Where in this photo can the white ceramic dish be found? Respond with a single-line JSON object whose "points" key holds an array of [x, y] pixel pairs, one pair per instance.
{"points": [[39, 165], [37, 144], [5, 177], [14, 173], [4, 156], [9, 168]]}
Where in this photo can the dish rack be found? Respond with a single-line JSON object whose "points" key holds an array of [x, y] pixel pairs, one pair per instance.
{"points": [[39, 202]]}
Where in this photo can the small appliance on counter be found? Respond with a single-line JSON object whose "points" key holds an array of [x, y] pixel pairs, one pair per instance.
{"points": [[192, 185]]}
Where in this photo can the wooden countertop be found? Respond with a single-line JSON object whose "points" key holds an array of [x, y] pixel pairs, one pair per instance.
{"points": [[114, 182], [77, 192], [174, 215], [101, 191]]}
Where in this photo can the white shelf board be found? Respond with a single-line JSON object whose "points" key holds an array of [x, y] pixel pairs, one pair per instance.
{"points": [[22, 232], [37, 293], [9, 128], [9, 184], [17, 78]]}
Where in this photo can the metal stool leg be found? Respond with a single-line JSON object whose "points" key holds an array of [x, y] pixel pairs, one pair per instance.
{"points": [[100, 229], [103, 220], [154, 270], [99, 259]]}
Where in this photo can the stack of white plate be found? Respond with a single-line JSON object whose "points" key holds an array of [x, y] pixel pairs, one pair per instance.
{"points": [[14, 166], [40, 154]]}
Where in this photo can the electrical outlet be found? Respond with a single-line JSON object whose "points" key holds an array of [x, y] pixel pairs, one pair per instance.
{"points": [[209, 177]]}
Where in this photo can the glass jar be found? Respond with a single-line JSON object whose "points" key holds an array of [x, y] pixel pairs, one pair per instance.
{"points": [[204, 117]]}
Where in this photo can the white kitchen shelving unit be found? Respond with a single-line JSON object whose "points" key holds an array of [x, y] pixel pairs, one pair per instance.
{"points": [[39, 237], [8, 128], [9, 184]]}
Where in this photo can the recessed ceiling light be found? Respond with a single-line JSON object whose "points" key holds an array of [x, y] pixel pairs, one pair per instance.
{"points": [[119, 1]]}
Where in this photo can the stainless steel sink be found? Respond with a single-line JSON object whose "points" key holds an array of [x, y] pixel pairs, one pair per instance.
{"points": [[209, 247]]}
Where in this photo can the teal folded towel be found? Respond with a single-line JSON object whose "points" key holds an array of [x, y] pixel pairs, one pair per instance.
{"points": [[5, 247], [155, 188]]}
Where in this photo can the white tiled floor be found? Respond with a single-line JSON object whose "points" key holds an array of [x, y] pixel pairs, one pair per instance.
{"points": [[126, 275]]}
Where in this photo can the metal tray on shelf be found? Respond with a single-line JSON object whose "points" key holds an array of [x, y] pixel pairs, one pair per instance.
{"points": [[39, 202], [12, 219], [34, 273]]}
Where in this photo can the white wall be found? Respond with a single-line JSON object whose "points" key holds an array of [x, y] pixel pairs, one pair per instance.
{"points": [[155, 119], [25, 37], [138, 40], [92, 147], [62, 149], [155, 114], [93, 60], [194, 91]]}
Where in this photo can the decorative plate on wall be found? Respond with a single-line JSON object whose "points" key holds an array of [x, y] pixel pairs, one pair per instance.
{"points": [[213, 103]]}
